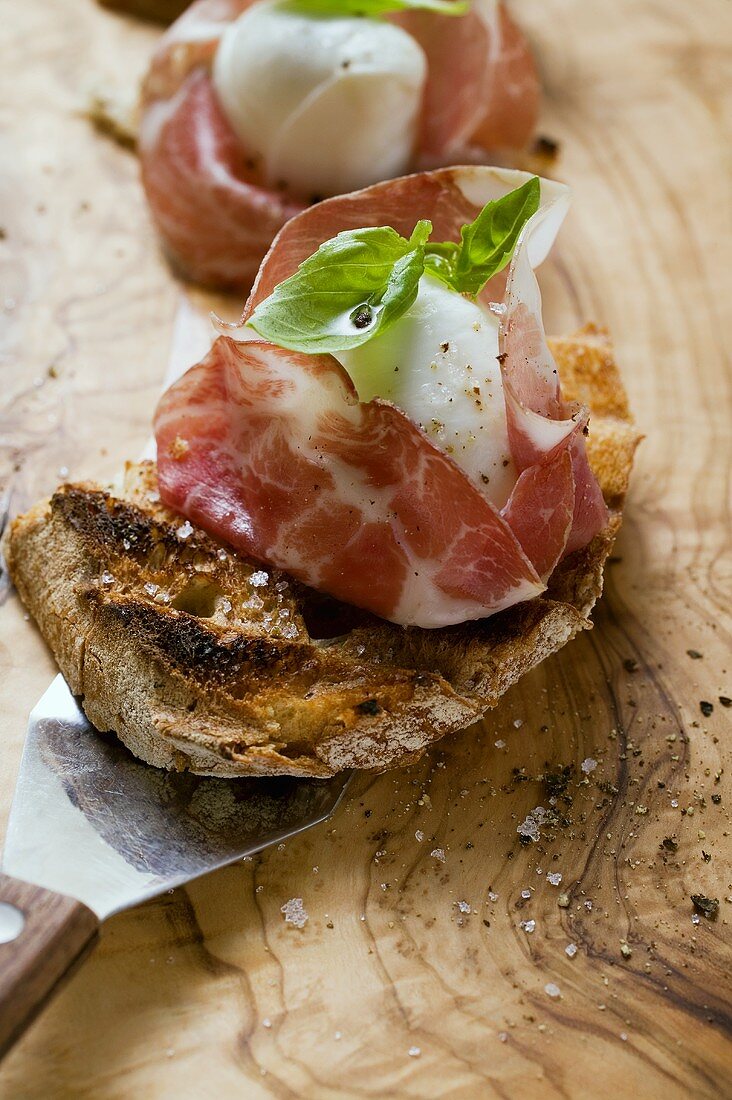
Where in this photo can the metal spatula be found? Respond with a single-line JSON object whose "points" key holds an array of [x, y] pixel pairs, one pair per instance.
{"points": [[93, 831]]}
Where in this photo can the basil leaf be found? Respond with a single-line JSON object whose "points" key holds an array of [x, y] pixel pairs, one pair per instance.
{"points": [[440, 259], [355, 286], [486, 244], [359, 283], [378, 7]]}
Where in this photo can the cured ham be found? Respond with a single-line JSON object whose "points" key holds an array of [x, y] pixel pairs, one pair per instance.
{"points": [[482, 91], [344, 493], [272, 451], [450, 196], [540, 424], [214, 210], [215, 219], [540, 511]]}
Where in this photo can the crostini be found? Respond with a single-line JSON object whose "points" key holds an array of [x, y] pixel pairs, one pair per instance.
{"points": [[378, 500], [251, 111]]}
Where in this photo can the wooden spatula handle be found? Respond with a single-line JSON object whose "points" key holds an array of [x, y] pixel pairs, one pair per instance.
{"points": [[46, 935]]}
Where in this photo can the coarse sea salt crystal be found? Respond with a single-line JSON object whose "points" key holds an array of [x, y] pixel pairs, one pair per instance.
{"points": [[528, 926], [526, 894], [492, 895], [419, 835], [500, 744], [553, 878], [464, 906], [259, 578], [295, 912], [106, 577], [571, 950], [552, 990], [439, 854], [529, 827], [518, 723], [150, 588], [185, 530], [414, 1052], [588, 765]]}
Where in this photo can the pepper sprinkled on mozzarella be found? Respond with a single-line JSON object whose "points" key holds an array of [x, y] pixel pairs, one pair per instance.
{"points": [[327, 104], [438, 363]]}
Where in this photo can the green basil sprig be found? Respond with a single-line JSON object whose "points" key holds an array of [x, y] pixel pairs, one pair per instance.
{"points": [[360, 282], [355, 285], [376, 8], [486, 244]]}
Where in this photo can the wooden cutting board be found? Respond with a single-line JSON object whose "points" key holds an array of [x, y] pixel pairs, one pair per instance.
{"points": [[414, 975]]}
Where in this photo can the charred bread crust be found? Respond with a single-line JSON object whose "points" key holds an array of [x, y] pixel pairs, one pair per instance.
{"points": [[158, 11], [200, 659]]}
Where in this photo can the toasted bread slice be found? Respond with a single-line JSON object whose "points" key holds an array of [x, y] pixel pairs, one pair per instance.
{"points": [[201, 659], [158, 11]]}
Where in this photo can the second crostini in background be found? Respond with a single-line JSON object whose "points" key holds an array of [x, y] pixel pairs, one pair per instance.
{"points": [[253, 111]]}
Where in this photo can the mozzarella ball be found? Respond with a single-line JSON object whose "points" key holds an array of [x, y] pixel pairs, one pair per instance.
{"points": [[328, 105]]}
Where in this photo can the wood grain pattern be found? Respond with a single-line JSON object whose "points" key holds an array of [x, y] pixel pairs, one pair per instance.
{"points": [[208, 991], [56, 935]]}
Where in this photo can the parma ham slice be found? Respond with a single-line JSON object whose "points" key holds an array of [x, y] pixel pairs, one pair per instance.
{"points": [[482, 89], [541, 426], [273, 452], [216, 221], [215, 216], [540, 511]]}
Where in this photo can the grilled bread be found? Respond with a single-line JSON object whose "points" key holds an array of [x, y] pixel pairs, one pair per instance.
{"points": [[200, 659], [158, 11]]}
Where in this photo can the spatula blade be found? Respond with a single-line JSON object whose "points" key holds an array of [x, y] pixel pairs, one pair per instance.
{"points": [[91, 821]]}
